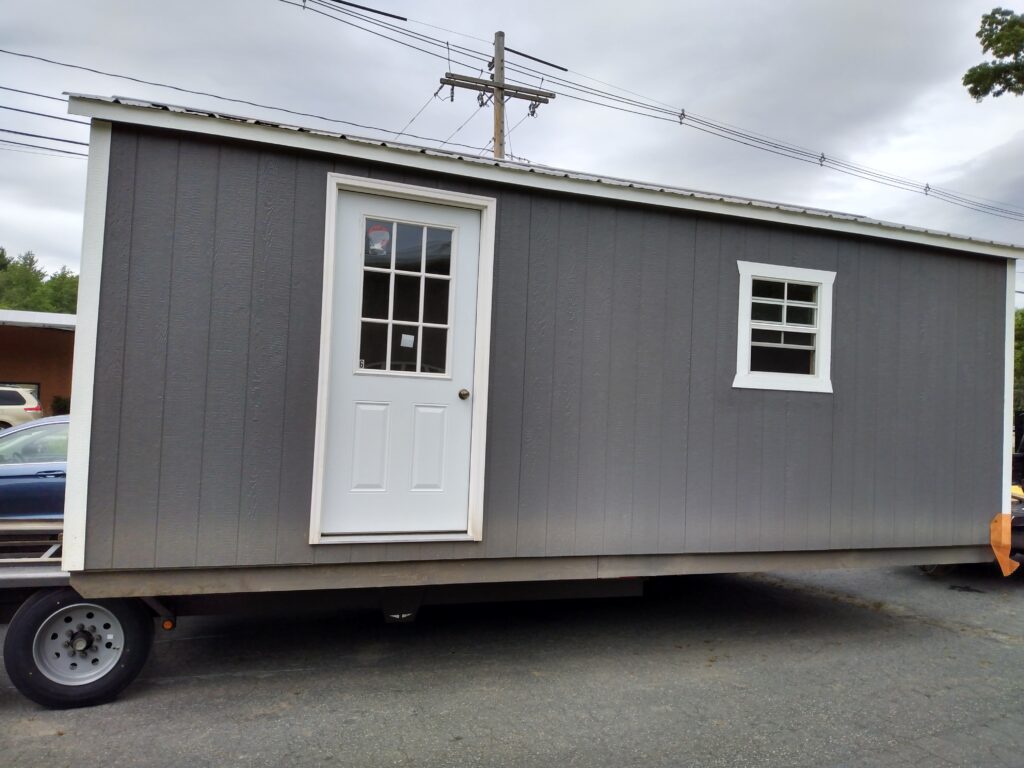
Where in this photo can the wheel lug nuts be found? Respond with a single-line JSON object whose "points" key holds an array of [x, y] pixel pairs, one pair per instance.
{"points": [[92, 627], [80, 627]]}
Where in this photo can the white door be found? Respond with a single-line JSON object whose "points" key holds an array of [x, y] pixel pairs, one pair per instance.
{"points": [[397, 443]]}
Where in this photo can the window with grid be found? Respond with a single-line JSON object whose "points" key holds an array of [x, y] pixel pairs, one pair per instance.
{"points": [[784, 331], [406, 296]]}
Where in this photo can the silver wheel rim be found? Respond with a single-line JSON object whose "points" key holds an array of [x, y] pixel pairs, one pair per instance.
{"points": [[78, 644]]}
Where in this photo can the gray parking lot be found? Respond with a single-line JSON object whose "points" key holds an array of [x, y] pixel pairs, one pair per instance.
{"points": [[848, 668]]}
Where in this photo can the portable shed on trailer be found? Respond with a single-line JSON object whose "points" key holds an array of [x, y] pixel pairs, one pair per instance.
{"points": [[299, 353], [308, 361]]}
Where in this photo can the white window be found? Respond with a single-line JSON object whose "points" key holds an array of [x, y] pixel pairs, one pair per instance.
{"points": [[784, 335]]}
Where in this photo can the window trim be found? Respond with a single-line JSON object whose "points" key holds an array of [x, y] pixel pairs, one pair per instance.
{"points": [[821, 380]]}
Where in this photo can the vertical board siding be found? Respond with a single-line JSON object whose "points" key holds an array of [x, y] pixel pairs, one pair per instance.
{"points": [[508, 363], [187, 338], [595, 346], [727, 401], [700, 435], [302, 366], [627, 271], [538, 379], [268, 338], [567, 371], [675, 378], [613, 428], [227, 357], [651, 249], [112, 325], [145, 352]]}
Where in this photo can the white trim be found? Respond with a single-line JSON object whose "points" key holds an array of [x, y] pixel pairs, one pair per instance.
{"points": [[487, 207], [537, 177], [1008, 446], [26, 319], [821, 381], [392, 538], [82, 377]]}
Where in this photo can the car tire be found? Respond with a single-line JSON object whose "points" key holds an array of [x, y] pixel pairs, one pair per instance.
{"points": [[65, 651], [4, 425]]}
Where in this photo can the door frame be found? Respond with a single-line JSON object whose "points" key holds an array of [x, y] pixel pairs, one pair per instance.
{"points": [[487, 206]]}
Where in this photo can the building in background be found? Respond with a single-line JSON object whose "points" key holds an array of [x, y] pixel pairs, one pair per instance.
{"points": [[36, 353]]}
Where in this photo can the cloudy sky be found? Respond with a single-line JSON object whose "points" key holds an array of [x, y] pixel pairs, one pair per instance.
{"points": [[875, 82]]}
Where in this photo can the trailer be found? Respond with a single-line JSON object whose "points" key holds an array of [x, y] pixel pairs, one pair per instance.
{"points": [[311, 363]]}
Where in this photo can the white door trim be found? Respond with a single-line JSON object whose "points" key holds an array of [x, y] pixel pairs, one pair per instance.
{"points": [[487, 207]]}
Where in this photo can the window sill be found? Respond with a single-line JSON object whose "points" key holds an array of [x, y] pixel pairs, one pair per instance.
{"points": [[392, 538], [785, 382]]}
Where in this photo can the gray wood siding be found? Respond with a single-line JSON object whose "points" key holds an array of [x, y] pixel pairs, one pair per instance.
{"points": [[614, 426]]}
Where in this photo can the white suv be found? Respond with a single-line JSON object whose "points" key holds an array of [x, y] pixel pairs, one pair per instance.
{"points": [[17, 406]]}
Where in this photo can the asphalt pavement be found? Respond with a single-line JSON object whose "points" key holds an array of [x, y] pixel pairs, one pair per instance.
{"points": [[846, 668]]}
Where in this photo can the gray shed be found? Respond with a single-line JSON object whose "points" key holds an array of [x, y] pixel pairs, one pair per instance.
{"points": [[309, 361]]}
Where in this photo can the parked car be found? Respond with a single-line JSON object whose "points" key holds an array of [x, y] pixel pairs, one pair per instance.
{"points": [[33, 463], [18, 406]]}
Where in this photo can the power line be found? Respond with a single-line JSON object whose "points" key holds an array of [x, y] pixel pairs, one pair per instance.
{"points": [[181, 89], [419, 37], [418, 113], [4, 148], [39, 146], [309, 7], [40, 136], [475, 113], [646, 107], [33, 93], [43, 114], [371, 10]]}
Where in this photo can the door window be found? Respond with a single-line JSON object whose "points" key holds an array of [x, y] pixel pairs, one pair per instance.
{"points": [[406, 297]]}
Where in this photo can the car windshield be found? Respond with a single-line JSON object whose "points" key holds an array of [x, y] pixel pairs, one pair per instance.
{"points": [[42, 443]]}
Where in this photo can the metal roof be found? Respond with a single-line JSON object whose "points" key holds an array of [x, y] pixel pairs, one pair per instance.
{"points": [[137, 111], [37, 319]]}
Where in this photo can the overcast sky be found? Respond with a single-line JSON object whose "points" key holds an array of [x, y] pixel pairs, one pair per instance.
{"points": [[876, 82]]}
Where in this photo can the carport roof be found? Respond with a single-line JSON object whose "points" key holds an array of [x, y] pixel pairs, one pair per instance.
{"points": [[37, 319]]}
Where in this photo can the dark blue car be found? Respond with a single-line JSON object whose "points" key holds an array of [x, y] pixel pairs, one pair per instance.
{"points": [[33, 463]]}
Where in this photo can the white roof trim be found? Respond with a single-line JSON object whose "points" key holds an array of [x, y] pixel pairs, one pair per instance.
{"points": [[37, 319], [158, 115]]}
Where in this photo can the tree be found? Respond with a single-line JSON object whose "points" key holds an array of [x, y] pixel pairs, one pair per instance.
{"points": [[61, 292], [1001, 34], [24, 285]]}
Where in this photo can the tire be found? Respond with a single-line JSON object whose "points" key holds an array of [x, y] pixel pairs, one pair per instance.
{"points": [[44, 665], [4, 425]]}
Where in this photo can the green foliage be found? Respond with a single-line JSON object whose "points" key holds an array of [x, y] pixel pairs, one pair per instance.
{"points": [[1001, 34], [25, 285]]}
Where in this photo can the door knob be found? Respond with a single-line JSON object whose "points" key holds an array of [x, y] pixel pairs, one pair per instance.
{"points": [[463, 394]]}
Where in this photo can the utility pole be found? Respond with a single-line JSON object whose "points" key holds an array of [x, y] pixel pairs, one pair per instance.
{"points": [[500, 90], [499, 96]]}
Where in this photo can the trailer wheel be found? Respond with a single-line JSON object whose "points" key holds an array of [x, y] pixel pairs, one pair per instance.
{"points": [[64, 651]]}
